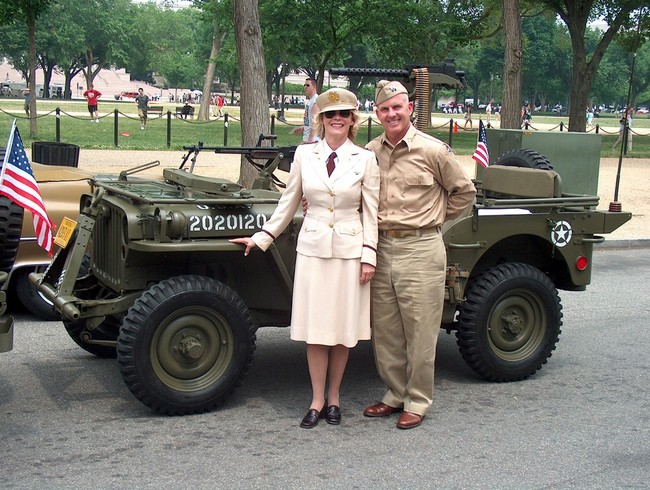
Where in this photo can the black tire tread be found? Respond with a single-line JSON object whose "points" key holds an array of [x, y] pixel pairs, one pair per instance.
{"points": [[524, 157], [137, 316], [11, 225], [468, 334]]}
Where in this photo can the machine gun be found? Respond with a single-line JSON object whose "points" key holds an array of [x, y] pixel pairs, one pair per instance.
{"points": [[266, 159], [418, 80]]}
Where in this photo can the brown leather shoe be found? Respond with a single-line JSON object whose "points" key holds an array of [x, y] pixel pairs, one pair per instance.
{"points": [[380, 410], [408, 420]]}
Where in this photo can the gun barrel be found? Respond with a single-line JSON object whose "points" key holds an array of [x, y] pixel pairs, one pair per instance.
{"points": [[371, 72]]}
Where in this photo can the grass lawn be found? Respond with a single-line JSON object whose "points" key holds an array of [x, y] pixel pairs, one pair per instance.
{"points": [[76, 128]]}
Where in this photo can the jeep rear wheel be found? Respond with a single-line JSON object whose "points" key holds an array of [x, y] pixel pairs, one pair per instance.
{"points": [[510, 322], [11, 224], [185, 345], [29, 296], [524, 158]]}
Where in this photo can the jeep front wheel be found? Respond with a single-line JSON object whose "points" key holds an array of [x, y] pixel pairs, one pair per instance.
{"points": [[185, 345], [510, 322]]}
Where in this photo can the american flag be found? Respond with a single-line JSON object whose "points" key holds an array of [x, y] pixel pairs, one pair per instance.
{"points": [[17, 182], [481, 154]]}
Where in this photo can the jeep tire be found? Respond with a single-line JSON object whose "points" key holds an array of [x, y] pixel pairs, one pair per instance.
{"points": [[185, 345], [11, 224], [524, 158], [510, 322]]}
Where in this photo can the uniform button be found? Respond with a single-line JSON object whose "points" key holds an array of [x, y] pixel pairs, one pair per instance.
{"points": [[331, 194], [331, 225], [331, 210]]}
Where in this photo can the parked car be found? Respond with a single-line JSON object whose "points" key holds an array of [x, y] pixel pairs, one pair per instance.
{"points": [[61, 188], [642, 110]]}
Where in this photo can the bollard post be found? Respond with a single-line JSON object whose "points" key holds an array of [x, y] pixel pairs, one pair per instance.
{"points": [[225, 129], [451, 131], [369, 129], [58, 125], [169, 129], [597, 128], [272, 123], [561, 126], [115, 129]]}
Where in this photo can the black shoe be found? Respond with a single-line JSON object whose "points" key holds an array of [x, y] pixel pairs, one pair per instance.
{"points": [[311, 419], [333, 415]]}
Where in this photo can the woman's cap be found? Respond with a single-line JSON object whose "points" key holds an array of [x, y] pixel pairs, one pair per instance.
{"points": [[336, 99], [386, 90]]}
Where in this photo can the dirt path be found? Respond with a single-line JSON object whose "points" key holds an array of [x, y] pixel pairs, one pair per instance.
{"points": [[633, 191]]}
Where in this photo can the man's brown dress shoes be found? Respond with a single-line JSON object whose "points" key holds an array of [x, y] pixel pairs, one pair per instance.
{"points": [[408, 420], [380, 410]]}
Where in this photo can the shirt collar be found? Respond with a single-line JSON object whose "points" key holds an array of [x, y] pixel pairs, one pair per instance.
{"points": [[407, 139]]}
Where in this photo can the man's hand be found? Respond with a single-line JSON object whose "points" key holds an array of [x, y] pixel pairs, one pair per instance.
{"points": [[367, 273]]}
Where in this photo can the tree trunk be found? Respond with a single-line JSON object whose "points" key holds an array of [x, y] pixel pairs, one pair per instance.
{"points": [[31, 32], [217, 41], [511, 101], [253, 102]]}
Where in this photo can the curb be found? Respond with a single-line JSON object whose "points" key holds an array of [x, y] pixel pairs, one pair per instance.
{"points": [[632, 243]]}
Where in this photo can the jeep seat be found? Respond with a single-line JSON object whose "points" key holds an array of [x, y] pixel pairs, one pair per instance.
{"points": [[521, 182]]}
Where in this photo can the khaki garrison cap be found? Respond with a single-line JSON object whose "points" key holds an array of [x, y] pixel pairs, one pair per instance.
{"points": [[386, 90], [336, 99]]}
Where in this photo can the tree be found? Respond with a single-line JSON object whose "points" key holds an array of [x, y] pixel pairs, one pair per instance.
{"points": [[576, 15], [511, 99], [215, 11], [254, 106], [27, 11]]}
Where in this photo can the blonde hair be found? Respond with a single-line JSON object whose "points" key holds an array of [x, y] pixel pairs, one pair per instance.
{"points": [[319, 127]]}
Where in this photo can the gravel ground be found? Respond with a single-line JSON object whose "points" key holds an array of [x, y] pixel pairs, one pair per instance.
{"points": [[633, 193]]}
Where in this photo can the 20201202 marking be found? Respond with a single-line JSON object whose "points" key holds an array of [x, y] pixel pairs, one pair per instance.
{"points": [[229, 222]]}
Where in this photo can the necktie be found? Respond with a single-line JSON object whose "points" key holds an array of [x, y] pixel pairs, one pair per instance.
{"points": [[330, 163]]}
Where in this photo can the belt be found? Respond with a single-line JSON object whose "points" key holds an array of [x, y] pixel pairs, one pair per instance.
{"points": [[412, 232]]}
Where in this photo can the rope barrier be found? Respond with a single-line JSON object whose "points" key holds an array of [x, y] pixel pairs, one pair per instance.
{"points": [[18, 116]]}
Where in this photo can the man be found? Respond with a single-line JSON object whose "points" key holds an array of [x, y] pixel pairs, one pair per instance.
{"points": [[91, 95], [142, 101], [422, 186], [311, 110]]}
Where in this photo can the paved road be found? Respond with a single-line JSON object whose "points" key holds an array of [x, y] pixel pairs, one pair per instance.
{"points": [[68, 421]]}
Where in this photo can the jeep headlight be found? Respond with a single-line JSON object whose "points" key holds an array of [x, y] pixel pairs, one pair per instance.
{"points": [[172, 223]]}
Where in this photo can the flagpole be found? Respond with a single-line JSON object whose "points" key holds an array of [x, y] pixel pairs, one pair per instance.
{"points": [[9, 143]]}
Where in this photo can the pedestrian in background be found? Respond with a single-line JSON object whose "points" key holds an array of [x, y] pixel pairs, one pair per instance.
{"points": [[142, 101], [626, 120], [91, 95], [336, 248], [311, 110]]}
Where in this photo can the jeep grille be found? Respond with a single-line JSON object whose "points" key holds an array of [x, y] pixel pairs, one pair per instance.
{"points": [[108, 246]]}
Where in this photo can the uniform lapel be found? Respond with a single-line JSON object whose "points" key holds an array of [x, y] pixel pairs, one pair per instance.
{"points": [[318, 158], [347, 161]]}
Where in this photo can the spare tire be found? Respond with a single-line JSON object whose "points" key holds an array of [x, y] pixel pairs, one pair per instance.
{"points": [[524, 158], [11, 224]]}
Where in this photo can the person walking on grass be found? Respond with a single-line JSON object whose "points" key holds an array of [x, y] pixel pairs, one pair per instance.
{"points": [[91, 95], [142, 101]]}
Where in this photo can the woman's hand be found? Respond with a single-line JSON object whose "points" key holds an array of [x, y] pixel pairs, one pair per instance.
{"points": [[247, 242], [367, 273]]}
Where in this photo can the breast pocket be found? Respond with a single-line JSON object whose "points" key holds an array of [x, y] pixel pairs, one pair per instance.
{"points": [[418, 191]]}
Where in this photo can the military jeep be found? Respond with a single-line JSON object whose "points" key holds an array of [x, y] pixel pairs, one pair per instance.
{"points": [[147, 274]]}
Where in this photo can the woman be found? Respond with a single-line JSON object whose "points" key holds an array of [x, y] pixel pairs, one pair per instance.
{"points": [[336, 250]]}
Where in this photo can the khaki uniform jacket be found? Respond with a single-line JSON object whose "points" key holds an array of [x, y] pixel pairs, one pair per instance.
{"points": [[341, 221], [422, 183]]}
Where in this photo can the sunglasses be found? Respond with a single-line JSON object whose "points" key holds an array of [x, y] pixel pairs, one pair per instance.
{"points": [[344, 113]]}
